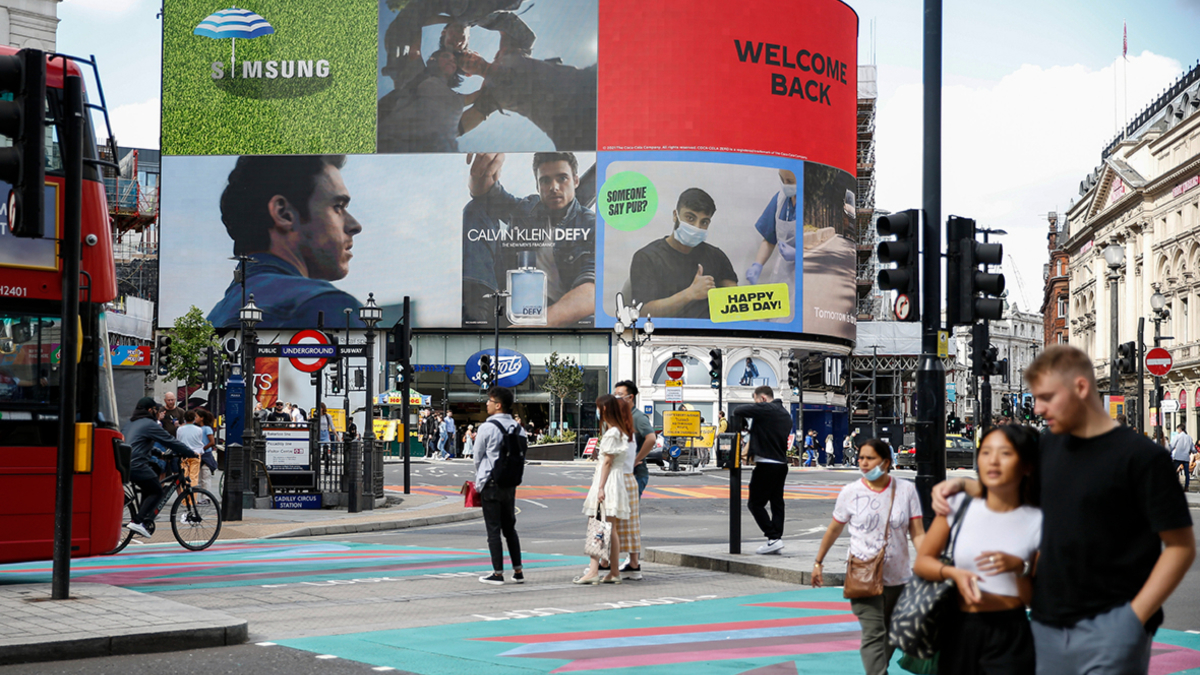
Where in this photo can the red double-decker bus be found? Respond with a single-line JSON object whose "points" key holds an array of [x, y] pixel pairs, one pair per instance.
{"points": [[31, 328]]}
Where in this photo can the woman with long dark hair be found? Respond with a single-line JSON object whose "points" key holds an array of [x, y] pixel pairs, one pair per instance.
{"points": [[608, 488], [882, 512], [994, 554]]}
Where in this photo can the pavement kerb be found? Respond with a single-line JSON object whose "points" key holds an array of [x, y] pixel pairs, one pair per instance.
{"points": [[752, 566], [179, 627], [375, 526]]}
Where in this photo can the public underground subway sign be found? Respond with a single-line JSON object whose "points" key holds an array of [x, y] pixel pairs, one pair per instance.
{"points": [[512, 368]]}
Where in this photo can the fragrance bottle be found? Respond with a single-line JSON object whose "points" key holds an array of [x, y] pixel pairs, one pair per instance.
{"points": [[528, 289]]}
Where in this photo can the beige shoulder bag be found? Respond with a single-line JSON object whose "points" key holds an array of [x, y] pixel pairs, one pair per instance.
{"points": [[864, 578]]}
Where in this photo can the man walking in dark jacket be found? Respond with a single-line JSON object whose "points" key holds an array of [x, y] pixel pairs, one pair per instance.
{"points": [[769, 430], [142, 432]]}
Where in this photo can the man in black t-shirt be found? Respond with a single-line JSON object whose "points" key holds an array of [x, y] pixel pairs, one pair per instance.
{"points": [[673, 275], [1116, 532], [770, 426]]}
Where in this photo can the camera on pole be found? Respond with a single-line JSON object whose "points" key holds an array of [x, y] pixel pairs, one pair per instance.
{"points": [[23, 121], [904, 251]]}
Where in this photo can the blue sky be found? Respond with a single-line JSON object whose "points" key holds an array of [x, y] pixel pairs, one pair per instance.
{"points": [[1032, 92]]}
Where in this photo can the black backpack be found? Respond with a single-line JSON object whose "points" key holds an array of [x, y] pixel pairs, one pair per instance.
{"points": [[510, 467]]}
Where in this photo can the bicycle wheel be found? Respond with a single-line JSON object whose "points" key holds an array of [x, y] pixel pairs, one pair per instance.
{"points": [[196, 519], [126, 534]]}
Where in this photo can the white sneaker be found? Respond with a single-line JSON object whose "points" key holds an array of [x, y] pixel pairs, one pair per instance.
{"points": [[137, 528], [772, 546]]}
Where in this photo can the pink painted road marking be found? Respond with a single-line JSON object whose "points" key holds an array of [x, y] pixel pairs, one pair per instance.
{"points": [[713, 655], [671, 630]]}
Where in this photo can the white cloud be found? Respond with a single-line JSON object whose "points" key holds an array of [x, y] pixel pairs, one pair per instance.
{"points": [[107, 6], [135, 125], [1014, 149]]}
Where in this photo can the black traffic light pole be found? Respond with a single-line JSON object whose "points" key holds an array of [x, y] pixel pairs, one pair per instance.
{"points": [[930, 395], [406, 369], [1141, 375], [60, 586]]}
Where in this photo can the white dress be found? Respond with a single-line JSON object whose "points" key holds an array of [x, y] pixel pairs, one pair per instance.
{"points": [[616, 501]]}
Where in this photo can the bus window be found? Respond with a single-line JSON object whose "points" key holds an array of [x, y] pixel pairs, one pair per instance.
{"points": [[53, 151], [29, 357], [106, 397]]}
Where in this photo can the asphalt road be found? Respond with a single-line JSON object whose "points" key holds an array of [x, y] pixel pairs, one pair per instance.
{"points": [[683, 509]]}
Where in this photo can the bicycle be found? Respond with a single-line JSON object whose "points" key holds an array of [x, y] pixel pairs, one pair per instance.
{"points": [[195, 516]]}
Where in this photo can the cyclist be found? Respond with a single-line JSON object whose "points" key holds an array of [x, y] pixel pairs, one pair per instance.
{"points": [[142, 433]]}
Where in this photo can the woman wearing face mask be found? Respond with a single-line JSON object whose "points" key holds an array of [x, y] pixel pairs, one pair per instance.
{"points": [[608, 484], [993, 558], [864, 506]]}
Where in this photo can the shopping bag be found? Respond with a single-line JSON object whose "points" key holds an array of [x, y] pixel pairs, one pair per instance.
{"points": [[471, 496], [599, 536]]}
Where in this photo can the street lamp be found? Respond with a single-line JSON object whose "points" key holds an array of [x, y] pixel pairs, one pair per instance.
{"points": [[1114, 256], [250, 316], [1158, 303], [631, 317], [370, 314]]}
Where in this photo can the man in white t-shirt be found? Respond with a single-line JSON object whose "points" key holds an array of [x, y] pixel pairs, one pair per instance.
{"points": [[191, 434]]}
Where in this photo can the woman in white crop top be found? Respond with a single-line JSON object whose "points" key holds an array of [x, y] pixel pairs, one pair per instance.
{"points": [[993, 556]]}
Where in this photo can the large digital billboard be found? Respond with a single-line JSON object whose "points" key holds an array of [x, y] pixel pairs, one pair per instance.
{"points": [[694, 160]]}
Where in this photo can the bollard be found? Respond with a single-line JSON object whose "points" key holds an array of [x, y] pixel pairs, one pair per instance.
{"points": [[231, 502]]}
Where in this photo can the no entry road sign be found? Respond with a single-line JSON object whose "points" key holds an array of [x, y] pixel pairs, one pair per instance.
{"points": [[1159, 361]]}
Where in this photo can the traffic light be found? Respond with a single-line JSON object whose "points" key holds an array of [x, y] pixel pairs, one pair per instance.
{"points": [[206, 366], [965, 282], [23, 120], [1027, 409], [905, 252], [978, 345], [164, 354], [360, 379], [335, 376], [1127, 357], [989, 364], [794, 375], [1006, 407], [1002, 369], [485, 371], [714, 368]]}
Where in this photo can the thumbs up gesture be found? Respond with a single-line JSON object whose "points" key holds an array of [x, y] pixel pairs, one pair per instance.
{"points": [[701, 285]]}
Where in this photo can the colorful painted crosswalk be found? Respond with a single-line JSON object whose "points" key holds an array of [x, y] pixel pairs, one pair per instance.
{"points": [[165, 567], [802, 631]]}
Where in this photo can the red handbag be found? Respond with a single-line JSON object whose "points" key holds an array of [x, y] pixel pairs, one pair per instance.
{"points": [[471, 496]]}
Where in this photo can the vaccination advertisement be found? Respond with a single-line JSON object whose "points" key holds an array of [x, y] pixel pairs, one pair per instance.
{"points": [[531, 165]]}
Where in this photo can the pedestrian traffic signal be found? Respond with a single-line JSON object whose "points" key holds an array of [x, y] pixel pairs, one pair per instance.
{"points": [[977, 345], [967, 286], [164, 354], [904, 251], [485, 371], [989, 364], [1027, 409], [23, 121], [714, 368], [1006, 407], [1127, 357], [399, 342], [794, 376], [360, 379]]}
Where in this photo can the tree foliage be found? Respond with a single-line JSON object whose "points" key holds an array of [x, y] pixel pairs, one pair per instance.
{"points": [[564, 377], [190, 336]]}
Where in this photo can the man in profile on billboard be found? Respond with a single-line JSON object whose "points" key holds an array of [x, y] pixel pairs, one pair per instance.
{"points": [[288, 215], [548, 238], [673, 275]]}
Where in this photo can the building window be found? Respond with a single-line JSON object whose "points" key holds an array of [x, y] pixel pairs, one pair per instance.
{"points": [[1059, 272], [1184, 324], [1062, 308]]}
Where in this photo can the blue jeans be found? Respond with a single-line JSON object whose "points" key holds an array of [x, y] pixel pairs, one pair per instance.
{"points": [[641, 473], [446, 446]]}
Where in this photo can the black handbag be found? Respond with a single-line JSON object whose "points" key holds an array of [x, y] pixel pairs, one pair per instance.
{"points": [[914, 627]]}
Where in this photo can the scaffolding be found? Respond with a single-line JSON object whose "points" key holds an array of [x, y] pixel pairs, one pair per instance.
{"points": [[133, 212], [867, 263]]}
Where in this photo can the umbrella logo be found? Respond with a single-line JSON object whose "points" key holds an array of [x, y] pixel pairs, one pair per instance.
{"points": [[233, 23]]}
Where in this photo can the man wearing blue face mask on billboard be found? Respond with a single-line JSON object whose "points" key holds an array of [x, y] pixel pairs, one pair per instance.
{"points": [[673, 275]]}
